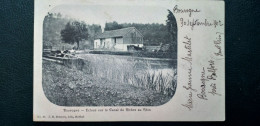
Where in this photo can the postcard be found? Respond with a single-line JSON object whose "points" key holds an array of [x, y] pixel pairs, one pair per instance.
{"points": [[129, 60]]}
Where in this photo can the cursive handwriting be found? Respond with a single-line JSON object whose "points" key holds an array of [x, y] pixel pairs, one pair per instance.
{"points": [[188, 58], [197, 22], [214, 89], [189, 103], [217, 43], [203, 79], [212, 70], [189, 11], [188, 47]]}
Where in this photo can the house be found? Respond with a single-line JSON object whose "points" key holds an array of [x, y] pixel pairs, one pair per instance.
{"points": [[119, 39]]}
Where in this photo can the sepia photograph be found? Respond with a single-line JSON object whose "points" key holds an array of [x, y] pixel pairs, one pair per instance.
{"points": [[108, 55]]}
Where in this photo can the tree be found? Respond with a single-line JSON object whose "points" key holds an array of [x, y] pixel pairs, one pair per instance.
{"points": [[172, 30], [74, 33], [112, 26], [52, 27]]}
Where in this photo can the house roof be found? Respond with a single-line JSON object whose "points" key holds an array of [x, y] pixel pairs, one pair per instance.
{"points": [[114, 33]]}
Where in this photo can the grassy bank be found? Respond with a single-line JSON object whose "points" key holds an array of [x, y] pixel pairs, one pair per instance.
{"points": [[146, 54], [129, 70], [70, 87]]}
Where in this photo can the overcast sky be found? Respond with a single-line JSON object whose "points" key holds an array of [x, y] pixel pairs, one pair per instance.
{"points": [[100, 14]]}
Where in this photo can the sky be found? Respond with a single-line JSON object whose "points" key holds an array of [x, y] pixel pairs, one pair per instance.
{"points": [[100, 14]]}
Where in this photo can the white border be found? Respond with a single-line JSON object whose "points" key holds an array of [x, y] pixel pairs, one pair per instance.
{"points": [[211, 110]]}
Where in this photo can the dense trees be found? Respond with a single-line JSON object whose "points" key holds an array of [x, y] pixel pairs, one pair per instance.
{"points": [[74, 32], [172, 30], [112, 26], [54, 23]]}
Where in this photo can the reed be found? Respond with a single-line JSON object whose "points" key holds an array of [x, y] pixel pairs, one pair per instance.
{"points": [[128, 70]]}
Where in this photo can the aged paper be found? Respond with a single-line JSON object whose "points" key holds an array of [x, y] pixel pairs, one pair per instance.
{"points": [[129, 60]]}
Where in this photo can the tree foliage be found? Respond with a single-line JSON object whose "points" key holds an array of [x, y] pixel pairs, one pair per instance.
{"points": [[112, 26], [172, 30], [74, 32], [54, 23]]}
